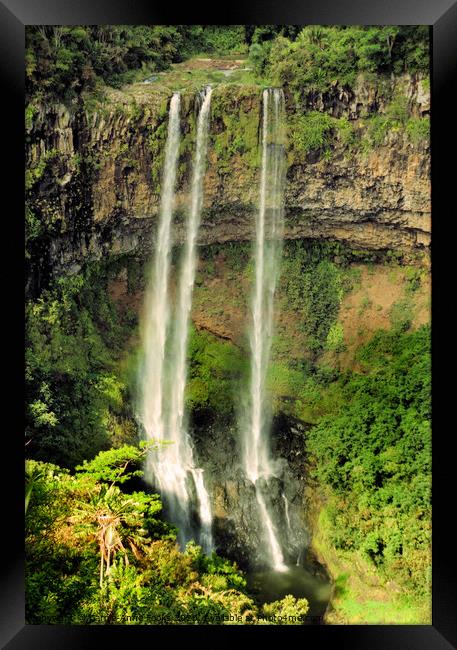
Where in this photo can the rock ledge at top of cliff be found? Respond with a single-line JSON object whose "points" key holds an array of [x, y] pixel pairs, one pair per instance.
{"points": [[102, 176]]}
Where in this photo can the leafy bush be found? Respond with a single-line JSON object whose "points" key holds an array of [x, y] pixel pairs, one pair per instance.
{"points": [[322, 55], [227, 39], [413, 277], [311, 131], [335, 338], [401, 315], [235, 126], [396, 116], [216, 368], [258, 57], [35, 172], [288, 611], [418, 129], [313, 287], [378, 126], [65, 60], [346, 132]]}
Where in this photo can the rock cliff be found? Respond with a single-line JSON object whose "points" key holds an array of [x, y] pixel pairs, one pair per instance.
{"points": [[94, 173]]}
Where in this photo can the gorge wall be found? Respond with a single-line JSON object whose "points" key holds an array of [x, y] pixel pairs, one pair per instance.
{"points": [[94, 172]]}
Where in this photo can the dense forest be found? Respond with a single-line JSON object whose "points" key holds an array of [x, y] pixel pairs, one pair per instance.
{"points": [[62, 62], [99, 549]]}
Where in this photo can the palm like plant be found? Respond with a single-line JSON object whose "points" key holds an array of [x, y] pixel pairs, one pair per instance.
{"points": [[107, 510], [311, 35]]}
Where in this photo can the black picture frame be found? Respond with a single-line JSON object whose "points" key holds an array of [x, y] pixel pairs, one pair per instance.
{"points": [[441, 15]]}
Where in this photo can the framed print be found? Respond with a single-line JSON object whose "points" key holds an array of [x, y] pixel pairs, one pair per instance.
{"points": [[230, 369]]}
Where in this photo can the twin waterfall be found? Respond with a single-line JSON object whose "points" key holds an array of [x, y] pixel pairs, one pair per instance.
{"points": [[163, 375], [162, 381]]}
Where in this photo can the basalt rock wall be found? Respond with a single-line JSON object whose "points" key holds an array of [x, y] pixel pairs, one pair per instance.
{"points": [[93, 179]]}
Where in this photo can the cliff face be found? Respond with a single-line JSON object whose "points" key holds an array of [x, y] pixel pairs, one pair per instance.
{"points": [[94, 176]]}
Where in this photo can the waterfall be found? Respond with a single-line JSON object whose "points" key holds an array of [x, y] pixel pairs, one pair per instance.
{"points": [[269, 229], [163, 377], [156, 317], [286, 511]]}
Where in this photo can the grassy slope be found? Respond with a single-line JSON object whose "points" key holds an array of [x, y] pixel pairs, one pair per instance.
{"points": [[360, 595]]}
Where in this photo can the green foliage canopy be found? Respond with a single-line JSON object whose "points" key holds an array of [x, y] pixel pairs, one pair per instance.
{"points": [[374, 455]]}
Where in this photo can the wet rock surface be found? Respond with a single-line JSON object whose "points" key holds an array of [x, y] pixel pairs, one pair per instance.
{"points": [[239, 532]]}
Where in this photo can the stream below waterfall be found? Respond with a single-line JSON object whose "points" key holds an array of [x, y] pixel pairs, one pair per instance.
{"points": [[308, 580]]}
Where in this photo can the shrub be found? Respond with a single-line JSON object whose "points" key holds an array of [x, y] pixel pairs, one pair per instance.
{"points": [[311, 131], [288, 611], [418, 129], [76, 398], [335, 338], [72, 578]]}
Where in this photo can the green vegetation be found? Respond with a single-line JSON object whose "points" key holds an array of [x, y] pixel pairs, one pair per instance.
{"points": [[321, 56], [99, 554], [401, 315], [223, 40], [370, 447], [30, 111], [236, 256], [35, 172], [317, 131], [396, 117], [235, 125], [418, 129], [76, 391], [63, 61], [197, 72], [286, 610], [156, 141], [98, 549], [413, 277], [335, 338], [313, 288], [216, 369], [346, 133], [373, 455], [312, 338], [311, 131]]}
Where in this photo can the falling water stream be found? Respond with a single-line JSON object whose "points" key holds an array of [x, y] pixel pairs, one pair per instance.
{"points": [[163, 378], [156, 318], [286, 511], [269, 230]]}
